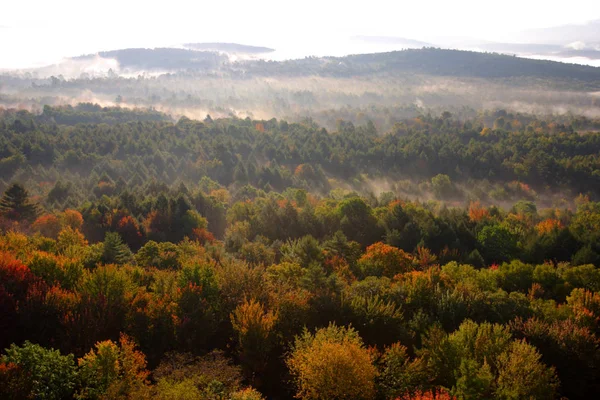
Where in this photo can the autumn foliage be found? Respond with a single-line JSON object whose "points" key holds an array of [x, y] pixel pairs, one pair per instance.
{"points": [[332, 363], [477, 212], [440, 394], [385, 259], [548, 225], [47, 225]]}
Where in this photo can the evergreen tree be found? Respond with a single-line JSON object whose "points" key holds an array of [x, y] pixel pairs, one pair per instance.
{"points": [[15, 204], [115, 251]]}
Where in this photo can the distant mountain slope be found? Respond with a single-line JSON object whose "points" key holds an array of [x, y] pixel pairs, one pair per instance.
{"points": [[426, 61], [469, 63], [429, 61], [161, 58], [229, 47]]}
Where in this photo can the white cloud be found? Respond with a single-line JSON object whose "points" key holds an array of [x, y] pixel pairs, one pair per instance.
{"points": [[577, 45], [42, 31]]}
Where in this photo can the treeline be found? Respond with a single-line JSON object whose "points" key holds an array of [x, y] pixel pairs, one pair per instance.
{"points": [[89, 113], [307, 297]]}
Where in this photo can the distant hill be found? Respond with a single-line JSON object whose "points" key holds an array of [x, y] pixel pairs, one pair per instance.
{"points": [[426, 61], [229, 48], [429, 61], [475, 64], [161, 59]]}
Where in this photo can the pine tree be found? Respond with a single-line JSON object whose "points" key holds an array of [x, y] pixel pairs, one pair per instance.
{"points": [[115, 251], [15, 204]]}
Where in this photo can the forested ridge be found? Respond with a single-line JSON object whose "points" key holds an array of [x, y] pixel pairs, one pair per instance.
{"points": [[432, 61], [451, 256], [428, 60], [162, 58], [385, 88]]}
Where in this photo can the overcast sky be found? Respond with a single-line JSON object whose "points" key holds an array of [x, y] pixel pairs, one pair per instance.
{"points": [[35, 32]]}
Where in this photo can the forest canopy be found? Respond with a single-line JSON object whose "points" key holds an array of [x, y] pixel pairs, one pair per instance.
{"points": [[245, 259]]}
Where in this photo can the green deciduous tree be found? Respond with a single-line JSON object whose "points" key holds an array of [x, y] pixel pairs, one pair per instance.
{"points": [[399, 375], [52, 376], [498, 244], [522, 375]]}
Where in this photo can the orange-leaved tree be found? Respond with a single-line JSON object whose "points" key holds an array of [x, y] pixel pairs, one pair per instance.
{"points": [[383, 259], [440, 394], [47, 225]]}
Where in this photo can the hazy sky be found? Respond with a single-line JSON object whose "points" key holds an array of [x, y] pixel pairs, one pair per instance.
{"points": [[38, 32]]}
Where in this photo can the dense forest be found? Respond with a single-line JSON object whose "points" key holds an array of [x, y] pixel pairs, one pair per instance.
{"points": [[451, 256]]}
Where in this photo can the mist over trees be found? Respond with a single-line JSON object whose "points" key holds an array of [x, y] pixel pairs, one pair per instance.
{"points": [[383, 87], [186, 224]]}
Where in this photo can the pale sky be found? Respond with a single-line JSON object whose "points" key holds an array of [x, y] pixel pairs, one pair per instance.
{"points": [[35, 32]]}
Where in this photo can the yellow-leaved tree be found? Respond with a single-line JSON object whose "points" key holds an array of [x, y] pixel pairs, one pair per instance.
{"points": [[332, 364], [254, 327], [113, 371]]}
